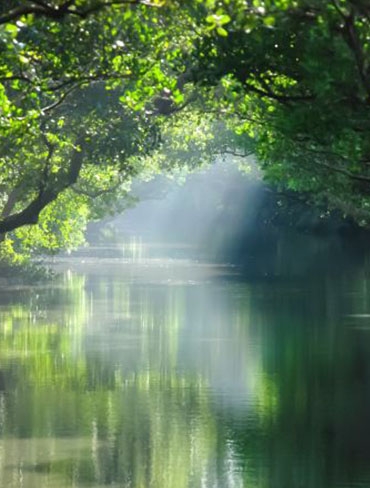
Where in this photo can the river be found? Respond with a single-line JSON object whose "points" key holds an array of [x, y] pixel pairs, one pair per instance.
{"points": [[144, 368]]}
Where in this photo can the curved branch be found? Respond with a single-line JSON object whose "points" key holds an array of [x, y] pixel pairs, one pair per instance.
{"points": [[58, 102], [30, 214], [279, 98], [97, 193], [59, 12], [352, 176]]}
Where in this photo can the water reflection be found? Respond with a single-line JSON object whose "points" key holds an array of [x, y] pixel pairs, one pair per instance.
{"points": [[112, 378]]}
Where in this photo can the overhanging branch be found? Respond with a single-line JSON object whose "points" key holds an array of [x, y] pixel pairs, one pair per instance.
{"points": [[97, 193], [59, 12], [46, 194]]}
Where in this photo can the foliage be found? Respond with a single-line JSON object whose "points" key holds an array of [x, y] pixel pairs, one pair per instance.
{"points": [[75, 124], [94, 93], [295, 75]]}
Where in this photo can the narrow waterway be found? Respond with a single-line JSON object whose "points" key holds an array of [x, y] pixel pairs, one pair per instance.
{"points": [[143, 368]]}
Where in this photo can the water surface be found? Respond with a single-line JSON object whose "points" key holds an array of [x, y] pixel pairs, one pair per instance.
{"points": [[135, 370]]}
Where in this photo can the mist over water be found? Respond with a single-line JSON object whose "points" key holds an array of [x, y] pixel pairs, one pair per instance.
{"points": [[206, 211], [225, 215]]}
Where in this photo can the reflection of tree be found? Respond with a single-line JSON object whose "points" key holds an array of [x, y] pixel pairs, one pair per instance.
{"points": [[314, 430], [136, 435], [97, 391], [162, 385], [36, 336]]}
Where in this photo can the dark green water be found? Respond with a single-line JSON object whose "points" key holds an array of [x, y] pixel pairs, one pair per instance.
{"points": [[168, 373]]}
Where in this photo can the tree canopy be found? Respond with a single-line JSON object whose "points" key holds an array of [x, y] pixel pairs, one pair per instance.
{"points": [[296, 75], [70, 136], [95, 92]]}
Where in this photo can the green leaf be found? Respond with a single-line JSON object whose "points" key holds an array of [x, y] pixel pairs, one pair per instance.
{"points": [[221, 31], [269, 21], [211, 19]]}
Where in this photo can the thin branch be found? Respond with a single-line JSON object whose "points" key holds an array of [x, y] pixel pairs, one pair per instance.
{"points": [[277, 97], [16, 78], [41, 3], [102, 5], [338, 9], [42, 9], [18, 12], [97, 193], [59, 101], [235, 153], [78, 83], [343, 171], [321, 152], [80, 80], [332, 155], [352, 176]]}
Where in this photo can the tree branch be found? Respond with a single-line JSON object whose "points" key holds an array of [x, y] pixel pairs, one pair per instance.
{"points": [[59, 12], [338, 9], [58, 102], [11, 201], [110, 3], [336, 169], [235, 153], [81, 80], [353, 42], [16, 78], [97, 193], [275, 96], [46, 194], [320, 153]]}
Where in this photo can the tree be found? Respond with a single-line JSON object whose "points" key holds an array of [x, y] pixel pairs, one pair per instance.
{"points": [[76, 78], [86, 85], [294, 75]]}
